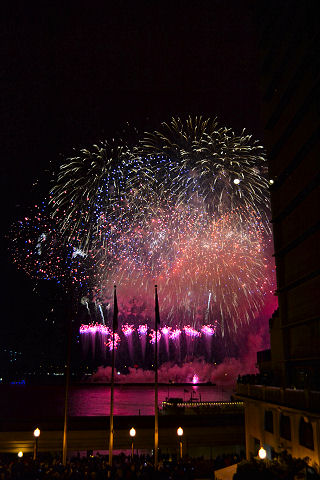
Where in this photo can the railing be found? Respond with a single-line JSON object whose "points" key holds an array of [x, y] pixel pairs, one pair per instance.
{"points": [[201, 407], [300, 399]]}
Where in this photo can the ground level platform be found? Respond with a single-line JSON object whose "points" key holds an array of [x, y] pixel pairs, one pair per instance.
{"points": [[203, 435]]}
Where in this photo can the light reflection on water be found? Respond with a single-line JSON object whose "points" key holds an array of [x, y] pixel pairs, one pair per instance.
{"points": [[47, 401], [130, 399]]}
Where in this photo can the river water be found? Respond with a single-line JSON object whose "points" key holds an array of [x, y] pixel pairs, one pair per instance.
{"points": [[47, 401]]}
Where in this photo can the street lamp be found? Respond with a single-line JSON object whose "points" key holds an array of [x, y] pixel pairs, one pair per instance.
{"points": [[20, 454], [180, 434], [132, 433], [36, 434], [262, 453]]}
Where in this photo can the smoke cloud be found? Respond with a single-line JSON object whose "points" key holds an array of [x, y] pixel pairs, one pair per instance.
{"points": [[225, 373]]}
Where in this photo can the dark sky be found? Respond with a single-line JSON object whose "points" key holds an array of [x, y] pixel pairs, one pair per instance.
{"points": [[75, 72]]}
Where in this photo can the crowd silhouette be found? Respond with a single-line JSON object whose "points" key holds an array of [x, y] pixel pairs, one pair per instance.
{"points": [[140, 467]]}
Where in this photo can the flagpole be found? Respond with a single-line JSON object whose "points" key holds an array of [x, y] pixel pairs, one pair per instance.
{"points": [[67, 385], [111, 405], [114, 327], [156, 412]]}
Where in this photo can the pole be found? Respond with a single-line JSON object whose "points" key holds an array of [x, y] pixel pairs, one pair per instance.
{"points": [[35, 451], [132, 449], [67, 385], [114, 327], [156, 420], [111, 406], [180, 449], [156, 412]]}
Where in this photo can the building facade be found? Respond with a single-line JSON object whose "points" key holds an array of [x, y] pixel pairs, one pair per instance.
{"points": [[285, 414]]}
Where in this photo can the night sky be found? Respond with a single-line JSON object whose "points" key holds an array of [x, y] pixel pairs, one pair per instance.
{"points": [[76, 72]]}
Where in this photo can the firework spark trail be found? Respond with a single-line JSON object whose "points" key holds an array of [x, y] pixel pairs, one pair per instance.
{"points": [[192, 259], [227, 170], [187, 207], [93, 189], [101, 313]]}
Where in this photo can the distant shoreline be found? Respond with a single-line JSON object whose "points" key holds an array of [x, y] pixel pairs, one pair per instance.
{"points": [[144, 384], [60, 381]]}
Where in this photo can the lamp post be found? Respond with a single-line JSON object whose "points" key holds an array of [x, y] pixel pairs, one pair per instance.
{"points": [[180, 434], [36, 435], [262, 453], [132, 433]]}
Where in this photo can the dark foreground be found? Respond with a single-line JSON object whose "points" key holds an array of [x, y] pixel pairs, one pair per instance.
{"points": [[124, 467]]}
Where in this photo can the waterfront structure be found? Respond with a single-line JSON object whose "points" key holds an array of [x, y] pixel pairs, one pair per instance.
{"points": [[203, 435], [284, 413]]}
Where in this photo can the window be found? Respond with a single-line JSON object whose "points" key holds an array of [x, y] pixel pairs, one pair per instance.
{"points": [[256, 446], [268, 421], [306, 434], [285, 427]]}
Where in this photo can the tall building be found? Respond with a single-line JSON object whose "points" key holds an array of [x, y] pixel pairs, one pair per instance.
{"points": [[285, 413]]}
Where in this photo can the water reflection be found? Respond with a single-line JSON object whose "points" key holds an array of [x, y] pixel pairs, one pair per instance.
{"points": [[47, 401], [131, 399]]}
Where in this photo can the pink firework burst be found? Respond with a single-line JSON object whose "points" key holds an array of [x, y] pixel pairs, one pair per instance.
{"points": [[127, 329], [209, 329], [109, 342], [153, 336], [191, 332], [143, 329]]}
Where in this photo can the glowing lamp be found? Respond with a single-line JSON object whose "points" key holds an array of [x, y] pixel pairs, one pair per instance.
{"points": [[20, 454], [262, 453], [236, 181], [271, 181], [36, 432], [132, 433], [180, 433]]}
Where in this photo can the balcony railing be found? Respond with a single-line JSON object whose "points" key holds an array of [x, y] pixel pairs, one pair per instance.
{"points": [[300, 399]]}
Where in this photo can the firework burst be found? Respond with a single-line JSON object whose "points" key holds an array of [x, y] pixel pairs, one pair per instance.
{"points": [[187, 207], [93, 190], [225, 169]]}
